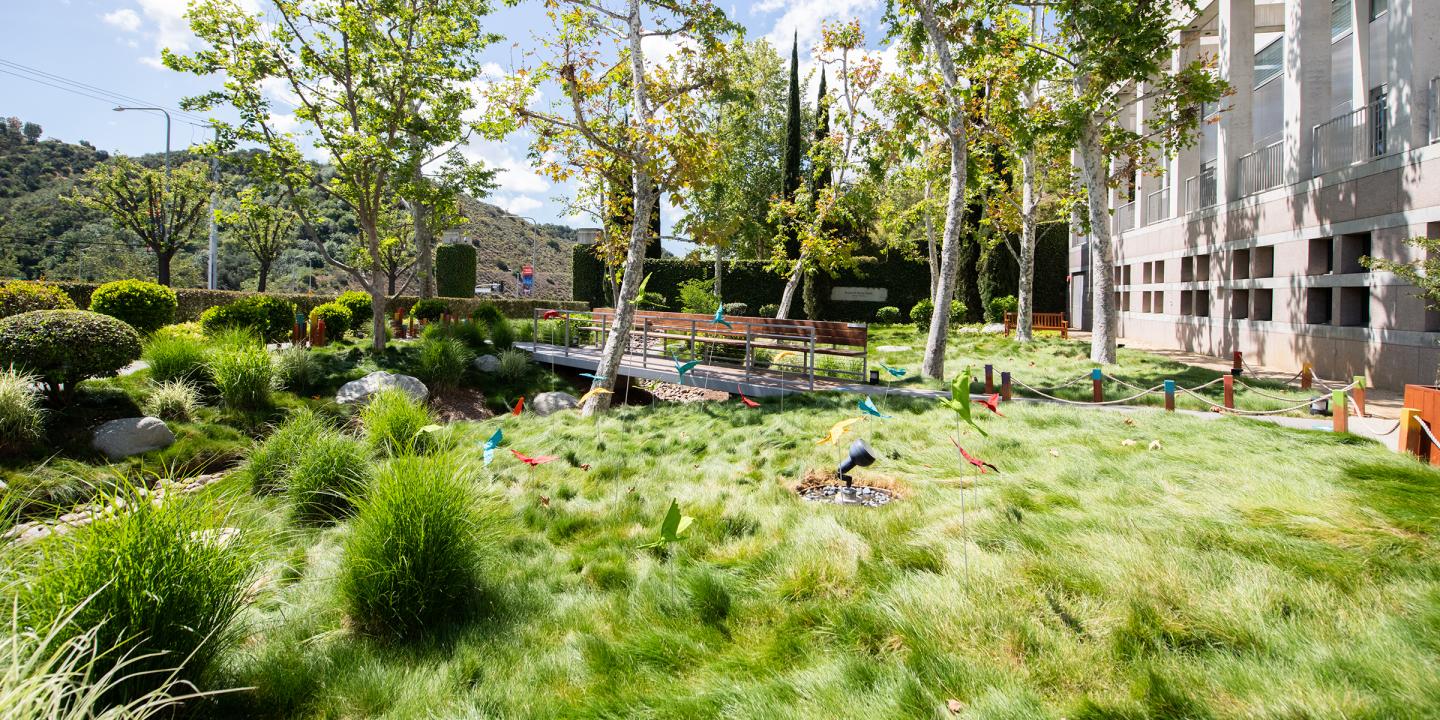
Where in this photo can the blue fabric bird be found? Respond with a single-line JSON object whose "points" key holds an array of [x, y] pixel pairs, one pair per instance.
{"points": [[720, 317], [867, 406], [491, 444], [593, 376], [682, 368], [894, 372]]}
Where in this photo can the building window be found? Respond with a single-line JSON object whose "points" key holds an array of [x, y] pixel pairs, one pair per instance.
{"points": [[1262, 262], [1239, 264], [1378, 8], [1239, 304], [1352, 248], [1262, 304], [1317, 306], [1322, 256], [1187, 269], [1270, 62], [1202, 303], [1355, 306], [1202, 268], [1340, 19]]}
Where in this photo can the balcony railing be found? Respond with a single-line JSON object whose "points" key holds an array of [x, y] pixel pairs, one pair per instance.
{"points": [[1157, 205], [1351, 138], [1124, 217], [1262, 169], [1200, 188], [1432, 117]]}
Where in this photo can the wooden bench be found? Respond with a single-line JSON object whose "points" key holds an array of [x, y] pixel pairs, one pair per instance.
{"points": [[1040, 321]]}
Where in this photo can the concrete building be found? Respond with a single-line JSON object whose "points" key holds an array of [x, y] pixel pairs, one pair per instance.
{"points": [[1326, 152]]}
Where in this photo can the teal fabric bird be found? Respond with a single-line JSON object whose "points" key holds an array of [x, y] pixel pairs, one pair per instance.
{"points": [[491, 444], [593, 376], [894, 372], [682, 368], [867, 406], [960, 400], [720, 317]]}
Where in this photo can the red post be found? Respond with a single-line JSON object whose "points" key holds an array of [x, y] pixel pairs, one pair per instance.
{"points": [[317, 333], [1360, 395], [1097, 391], [1236, 363], [1229, 392], [989, 379], [1306, 376], [1005, 386]]}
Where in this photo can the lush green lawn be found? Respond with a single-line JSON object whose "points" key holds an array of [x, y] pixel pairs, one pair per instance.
{"points": [[1052, 366], [1241, 570]]}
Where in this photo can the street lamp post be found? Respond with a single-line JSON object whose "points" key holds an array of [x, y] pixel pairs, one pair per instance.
{"points": [[164, 207]]}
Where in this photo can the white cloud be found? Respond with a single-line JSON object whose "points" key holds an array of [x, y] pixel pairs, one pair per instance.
{"points": [[284, 122], [803, 18], [124, 18], [164, 23], [520, 204]]}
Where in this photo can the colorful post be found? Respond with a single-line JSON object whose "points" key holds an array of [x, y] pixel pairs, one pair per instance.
{"points": [[1409, 439], [1005, 386], [297, 333], [989, 379], [1339, 412], [317, 333], [1236, 363], [1359, 395], [1229, 392], [1097, 391], [1306, 376], [1170, 396]]}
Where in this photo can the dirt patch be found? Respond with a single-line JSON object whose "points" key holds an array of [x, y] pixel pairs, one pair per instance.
{"points": [[671, 392], [817, 478], [459, 405]]}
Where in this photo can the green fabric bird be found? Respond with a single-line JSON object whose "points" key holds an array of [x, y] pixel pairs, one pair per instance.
{"points": [[960, 400], [673, 527]]}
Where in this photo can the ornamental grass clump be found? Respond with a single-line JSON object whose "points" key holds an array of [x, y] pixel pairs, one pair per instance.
{"points": [[174, 356], [22, 420], [298, 370], [327, 478], [416, 558], [271, 459], [514, 364], [161, 581], [396, 425], [244, 376], [172, 400], [442, 362]]}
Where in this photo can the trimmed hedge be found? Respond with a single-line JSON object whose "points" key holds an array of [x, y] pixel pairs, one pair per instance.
{"points": [[270, 317], [146, 306], [194, 301], [429, 309], [64, 347], [19, 296], [362, 310], [455, 271], [336, 317], [1000, 274]]}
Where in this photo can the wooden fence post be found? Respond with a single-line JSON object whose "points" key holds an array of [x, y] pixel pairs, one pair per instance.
{"points": [[989, 379], [1307, 376], [1236, 363], [1339, 413], [1170, 395], [1097, 390], [1005, 385], [1229, 392]]}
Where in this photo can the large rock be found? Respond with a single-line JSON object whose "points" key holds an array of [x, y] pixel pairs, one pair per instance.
{"points": [[487, 364], [359, 391], [553, 402], [132, 436]]}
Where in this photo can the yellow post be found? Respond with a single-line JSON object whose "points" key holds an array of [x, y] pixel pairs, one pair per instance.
{"points": [[1359, 395], [1409, 431]]}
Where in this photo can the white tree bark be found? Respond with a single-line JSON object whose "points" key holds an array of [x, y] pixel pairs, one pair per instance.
{"points": [[933, 364], [930, 244], [1029, 204], [1094, 172], [788, 296]]}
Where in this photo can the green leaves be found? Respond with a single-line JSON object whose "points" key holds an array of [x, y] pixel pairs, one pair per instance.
{"points": [[672, 527]]}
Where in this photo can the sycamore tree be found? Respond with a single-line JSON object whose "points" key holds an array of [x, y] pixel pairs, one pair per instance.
{"points": [[1112, 55], [818, 214], [166, 212], [261, 227], [621, 109], [377, 87], [398, 257]]}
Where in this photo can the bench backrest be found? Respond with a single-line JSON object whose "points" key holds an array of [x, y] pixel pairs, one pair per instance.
{"points": [[1040, 321], [826, 332]]}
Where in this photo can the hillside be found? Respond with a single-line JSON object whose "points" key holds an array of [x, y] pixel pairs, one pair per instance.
{"points": [[504, 243]]}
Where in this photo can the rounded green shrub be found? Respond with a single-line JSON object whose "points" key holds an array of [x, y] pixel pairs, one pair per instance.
{"points": [[269, 317], [146, 306], [361, 309], [393, 423], [487, 313], [442, 362], [997, 307], [19, 296], [63, 347], [327, 478], [888, 315], [22, 420], [650, 300], [173, 356], [920, 314], [697, 296], [157, 581], [419, 549], [337, 320], [244, 376], [270, 461], [769, 310], [738, 309], [429, 310]]}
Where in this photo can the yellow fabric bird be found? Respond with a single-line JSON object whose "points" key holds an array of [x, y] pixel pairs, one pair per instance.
{"points": [[593, 393], [780, 358], [836, 430]]}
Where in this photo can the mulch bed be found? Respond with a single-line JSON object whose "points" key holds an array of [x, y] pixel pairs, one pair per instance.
{"points": [[459, 405]]}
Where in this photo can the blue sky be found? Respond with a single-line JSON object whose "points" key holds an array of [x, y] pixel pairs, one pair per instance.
{"points": [[115, 45]]}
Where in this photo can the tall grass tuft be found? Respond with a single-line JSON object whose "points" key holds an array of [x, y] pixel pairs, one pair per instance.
{"points": [[244, 376], [172, 400], [514, 364], [156, 581], [174, 356], [324, 483], [416, 556], [393, 423], [272, 458], [22, 420], [443, 362], [298, 370]]}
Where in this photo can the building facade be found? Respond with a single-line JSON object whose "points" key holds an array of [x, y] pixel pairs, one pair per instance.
{"points": [[1325, 153]]}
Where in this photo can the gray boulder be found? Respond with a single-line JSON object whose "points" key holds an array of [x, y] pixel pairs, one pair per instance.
{"points": [[553, 402], [995, 328], [131, 436], [359, 391], [487, 364]]}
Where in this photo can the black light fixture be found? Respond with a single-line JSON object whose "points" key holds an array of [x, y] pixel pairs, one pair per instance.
{"points": [[860, 456], [874, 377]]}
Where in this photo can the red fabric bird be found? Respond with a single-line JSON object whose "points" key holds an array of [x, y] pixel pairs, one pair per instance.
{"points": [[977, 462], [992, 404], [520, 405], [550, 315], [747, 401], [532, 462]]}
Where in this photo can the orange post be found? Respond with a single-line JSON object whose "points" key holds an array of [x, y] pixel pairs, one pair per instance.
{"points": [[1360, 395], [1097, 391], [317, 333], [1409, 439], [1236, 362], [989, 379], [1339, 412], [1005, 386], [1307, 375], [1229, 392]]}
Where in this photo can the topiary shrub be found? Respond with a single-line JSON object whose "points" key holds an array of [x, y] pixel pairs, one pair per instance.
{"points": [[360, 306], [997, 307], [888, 315], [63, 347], [957, 312], [337, 320], [270, 317], [145, 306], [769, 310], [429, 310], [487, 313], [327, 478], [419, 550], [455, 270], [19, 296], [22, 420], [920, 314]]}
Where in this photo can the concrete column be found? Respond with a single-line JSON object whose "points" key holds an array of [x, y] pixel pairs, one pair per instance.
{"points": [[1237, 65], [1307, 83], [1360, 41], [1414, 61], [1144, 183], [1183, 163]]}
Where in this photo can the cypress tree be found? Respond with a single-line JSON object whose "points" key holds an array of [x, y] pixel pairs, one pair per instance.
{"points": [[790, 167], [822, 131]]}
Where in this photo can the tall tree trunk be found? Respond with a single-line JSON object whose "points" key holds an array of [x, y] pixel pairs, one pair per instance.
{"points": [[424, 249], [390, 283], [645, 191], [377, 281], [1094, 171], [1028, 204], [933, 364], [264, 276], [930, 244], [787, 298], [162, 267], [719, 274]]}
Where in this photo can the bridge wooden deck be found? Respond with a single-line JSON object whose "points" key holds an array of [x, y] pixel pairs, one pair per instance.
{"points": [[755, 383]]}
